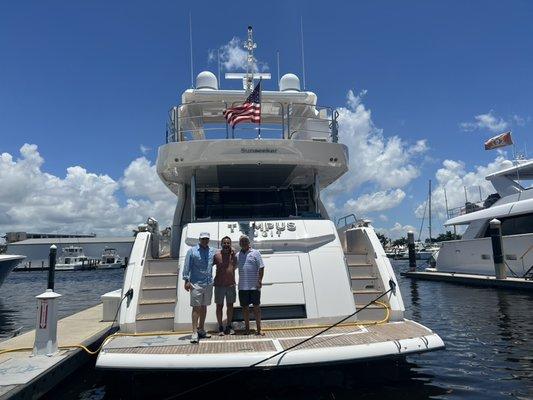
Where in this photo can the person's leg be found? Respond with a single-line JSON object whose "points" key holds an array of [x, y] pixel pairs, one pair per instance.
{"points": [[203, 313], [220, 308], [229, 313], [257, 314], [195, 316], [246, 316]]}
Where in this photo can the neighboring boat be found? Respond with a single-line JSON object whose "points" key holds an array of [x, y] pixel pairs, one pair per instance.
{"points": [[110, 259], [265, 183], [7, 263], [513, 206], [72, 258]]}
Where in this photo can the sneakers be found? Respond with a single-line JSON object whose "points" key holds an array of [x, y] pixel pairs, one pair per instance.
{"points": [[194, 338], [203, 334], [221, 331], [228, 330]]}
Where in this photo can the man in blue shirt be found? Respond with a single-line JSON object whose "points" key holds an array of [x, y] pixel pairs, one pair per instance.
{"points": [[251, 270], [198, 277]]}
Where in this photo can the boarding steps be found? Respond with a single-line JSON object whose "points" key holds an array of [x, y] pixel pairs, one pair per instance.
{"points": [[157, 300], [366, 286]]}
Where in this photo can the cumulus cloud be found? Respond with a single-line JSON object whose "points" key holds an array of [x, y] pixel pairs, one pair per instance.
{"points": [[81, 201], [397, 231], [454, 177], [386, 164], [488, 121], [233, 57], [377, 201]]}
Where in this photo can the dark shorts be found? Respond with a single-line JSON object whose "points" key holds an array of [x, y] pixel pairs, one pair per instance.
{"points": [[247, 297]]}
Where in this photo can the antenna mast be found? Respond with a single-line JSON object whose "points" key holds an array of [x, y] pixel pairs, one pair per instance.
{"points": [[277, 54], [429, 211], [303, 55], [190, 44], [250, 60]]}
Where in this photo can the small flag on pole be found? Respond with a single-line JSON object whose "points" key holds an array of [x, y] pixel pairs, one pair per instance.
{"points": [[501, 140], [250, 111]]}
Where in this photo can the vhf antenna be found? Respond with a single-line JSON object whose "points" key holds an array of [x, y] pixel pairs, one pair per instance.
{"points": [[190, 45], [302, 42]]}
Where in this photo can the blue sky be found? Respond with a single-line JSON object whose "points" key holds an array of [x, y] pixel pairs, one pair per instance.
{"points": [[90, 82]]}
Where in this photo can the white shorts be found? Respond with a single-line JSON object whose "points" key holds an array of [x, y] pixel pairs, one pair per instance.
{"points": [[201, 295]]}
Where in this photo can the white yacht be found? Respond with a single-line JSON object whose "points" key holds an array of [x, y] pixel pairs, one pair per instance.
{"points": [[7, 263], [110, 259], [265, 184], [513, 206], [72, 258]]}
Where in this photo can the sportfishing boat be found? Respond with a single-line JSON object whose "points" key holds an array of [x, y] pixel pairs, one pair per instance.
{"points": [[262, 178], [7, 263], [512, 205], [110, 259], [72, 258]]}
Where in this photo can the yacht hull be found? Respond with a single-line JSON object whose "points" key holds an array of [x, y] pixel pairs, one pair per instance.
{"points": [[7, 264], [475, 256]]}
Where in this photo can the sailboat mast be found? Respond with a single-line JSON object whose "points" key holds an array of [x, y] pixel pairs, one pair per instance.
{"points": [[429, 211]]}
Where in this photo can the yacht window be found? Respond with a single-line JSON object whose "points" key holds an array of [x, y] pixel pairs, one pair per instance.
{"points": [[252, 203], [515, 225]]}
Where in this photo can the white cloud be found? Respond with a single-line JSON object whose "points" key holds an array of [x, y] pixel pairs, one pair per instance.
{"points": [[144, 149], [33, 200], [233, 57], [488, 121], [382, 162], [377, 201], [397, 231], [454, 177]]}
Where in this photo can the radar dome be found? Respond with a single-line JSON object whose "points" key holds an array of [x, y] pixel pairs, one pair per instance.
{"points": [[289, 82], [206, 80]]}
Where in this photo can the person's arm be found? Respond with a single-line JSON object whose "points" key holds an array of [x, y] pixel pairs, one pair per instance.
{"points": [[261, 270], [234, 260], [187, 270]]}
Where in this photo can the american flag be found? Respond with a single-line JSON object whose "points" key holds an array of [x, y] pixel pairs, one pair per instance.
{"points": [[250, 111]]}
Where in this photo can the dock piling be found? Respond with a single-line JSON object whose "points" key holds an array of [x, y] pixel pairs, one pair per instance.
{"points": [[411, 250], [52, 267], [497, 248]]}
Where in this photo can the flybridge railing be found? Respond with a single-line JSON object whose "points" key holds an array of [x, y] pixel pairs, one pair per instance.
{"points": [[205, 120]]}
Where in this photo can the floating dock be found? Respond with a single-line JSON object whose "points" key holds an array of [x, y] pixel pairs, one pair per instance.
{"points": [[24, 376], [470, 279]]}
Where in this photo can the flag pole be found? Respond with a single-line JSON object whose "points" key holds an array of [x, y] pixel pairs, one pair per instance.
{"points": [[260, 105]]}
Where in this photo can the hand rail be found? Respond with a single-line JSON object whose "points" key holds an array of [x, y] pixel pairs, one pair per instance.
{"points": [[345, 219]]}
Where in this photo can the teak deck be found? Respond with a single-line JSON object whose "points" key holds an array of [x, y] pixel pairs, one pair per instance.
{"points": [[274, 340]]}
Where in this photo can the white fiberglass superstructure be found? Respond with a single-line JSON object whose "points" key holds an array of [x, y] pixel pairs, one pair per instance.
{"points": [[512, 205], [263, 181]]}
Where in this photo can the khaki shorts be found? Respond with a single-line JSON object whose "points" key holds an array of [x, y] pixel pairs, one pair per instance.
{"points": [[201, 295], [227, 292]]}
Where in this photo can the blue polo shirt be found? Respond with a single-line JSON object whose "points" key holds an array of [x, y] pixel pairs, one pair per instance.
{"points": [[198, 268], [250, 263]]}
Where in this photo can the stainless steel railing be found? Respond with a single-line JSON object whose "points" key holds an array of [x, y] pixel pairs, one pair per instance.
{"points": [[205, 120]]}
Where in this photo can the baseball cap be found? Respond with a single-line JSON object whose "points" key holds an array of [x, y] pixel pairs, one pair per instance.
{"points": [[204, 235]]}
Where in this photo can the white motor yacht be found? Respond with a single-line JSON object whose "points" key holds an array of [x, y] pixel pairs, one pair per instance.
{"points": [[110, 259], [7, 263], [472, 254], [266, 184], [72, 258]]}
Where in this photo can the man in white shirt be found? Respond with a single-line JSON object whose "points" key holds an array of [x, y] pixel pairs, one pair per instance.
{"points": [[251, 269]]}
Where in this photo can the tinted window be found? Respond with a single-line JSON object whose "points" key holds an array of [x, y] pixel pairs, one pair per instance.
{"points": [[516, 225]]}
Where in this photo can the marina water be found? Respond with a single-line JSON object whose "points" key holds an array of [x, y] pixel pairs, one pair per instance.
{"points": [[488, 335]]}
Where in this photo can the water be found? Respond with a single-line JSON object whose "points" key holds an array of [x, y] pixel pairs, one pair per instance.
{"points": [[488, 335]]}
